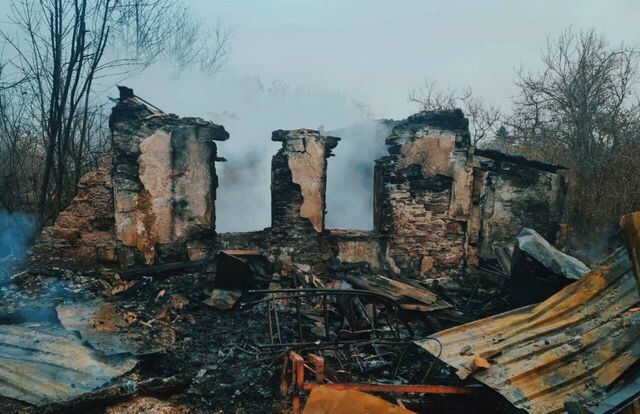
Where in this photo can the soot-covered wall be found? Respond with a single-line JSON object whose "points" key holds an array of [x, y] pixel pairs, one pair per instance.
{"points": [[164, 181]]}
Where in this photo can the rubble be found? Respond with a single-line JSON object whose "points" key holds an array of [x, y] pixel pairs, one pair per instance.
{"points": [[142, 405], [223, 299], [209, 349], [109, 331], [110, 396]]}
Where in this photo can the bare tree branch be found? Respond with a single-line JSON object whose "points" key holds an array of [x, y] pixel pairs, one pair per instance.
{"points": [[61, 47], [483, 118], [581, 110]]}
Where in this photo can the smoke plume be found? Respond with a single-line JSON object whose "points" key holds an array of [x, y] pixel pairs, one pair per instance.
{"points": [[250, 109], [16, 235]]}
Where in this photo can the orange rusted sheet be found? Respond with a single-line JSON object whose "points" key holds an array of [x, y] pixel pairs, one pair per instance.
{"points": [[325, 400], [574, 346], [298, 366]]}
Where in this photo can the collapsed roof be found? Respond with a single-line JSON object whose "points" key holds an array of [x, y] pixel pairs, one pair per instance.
{"points": [[578, 345]]}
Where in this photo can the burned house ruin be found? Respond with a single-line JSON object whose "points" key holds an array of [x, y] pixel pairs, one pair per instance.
{"points": [[440, 205], [133, 274]]}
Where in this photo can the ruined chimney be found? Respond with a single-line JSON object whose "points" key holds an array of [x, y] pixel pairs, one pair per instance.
{"points": [[422, 194], [164, 180], [299, 180]]}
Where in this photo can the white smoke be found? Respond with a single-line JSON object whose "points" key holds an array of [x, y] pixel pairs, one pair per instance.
{"points": [[250, 109], [350, 174], [16, 234]]}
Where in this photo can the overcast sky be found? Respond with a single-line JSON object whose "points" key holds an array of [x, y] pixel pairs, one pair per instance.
{"points": [[377, 50]]}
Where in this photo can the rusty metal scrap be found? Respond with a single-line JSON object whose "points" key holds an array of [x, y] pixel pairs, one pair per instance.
{"points": [[384, 319], [107, 330], [535, 246], [538, 270], [326, 400], [296, 368], [575, 346]]}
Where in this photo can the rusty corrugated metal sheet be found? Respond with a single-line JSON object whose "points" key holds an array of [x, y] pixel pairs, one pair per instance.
{"points": [[43, 363], [572, 347]]}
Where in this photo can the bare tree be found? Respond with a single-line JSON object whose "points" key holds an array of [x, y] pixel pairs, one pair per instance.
{"points": [[581, 110], [61, 48], [483, 118], [19, 152], [584, 97]]}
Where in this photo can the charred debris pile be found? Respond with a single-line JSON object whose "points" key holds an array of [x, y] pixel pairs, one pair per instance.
{"points": [[459, 298]]}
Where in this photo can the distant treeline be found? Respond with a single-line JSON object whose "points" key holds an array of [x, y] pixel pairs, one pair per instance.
{"points": [[580, 110]]}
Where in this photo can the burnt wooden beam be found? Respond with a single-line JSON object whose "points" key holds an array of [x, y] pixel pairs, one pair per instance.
{"points": [[164, 270]]}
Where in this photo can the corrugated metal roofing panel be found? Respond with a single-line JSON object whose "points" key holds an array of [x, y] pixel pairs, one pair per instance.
{"points": [[43, 363], [572, 347]]}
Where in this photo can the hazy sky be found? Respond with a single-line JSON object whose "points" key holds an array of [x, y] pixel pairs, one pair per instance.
{"points": [[377, 50]]}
